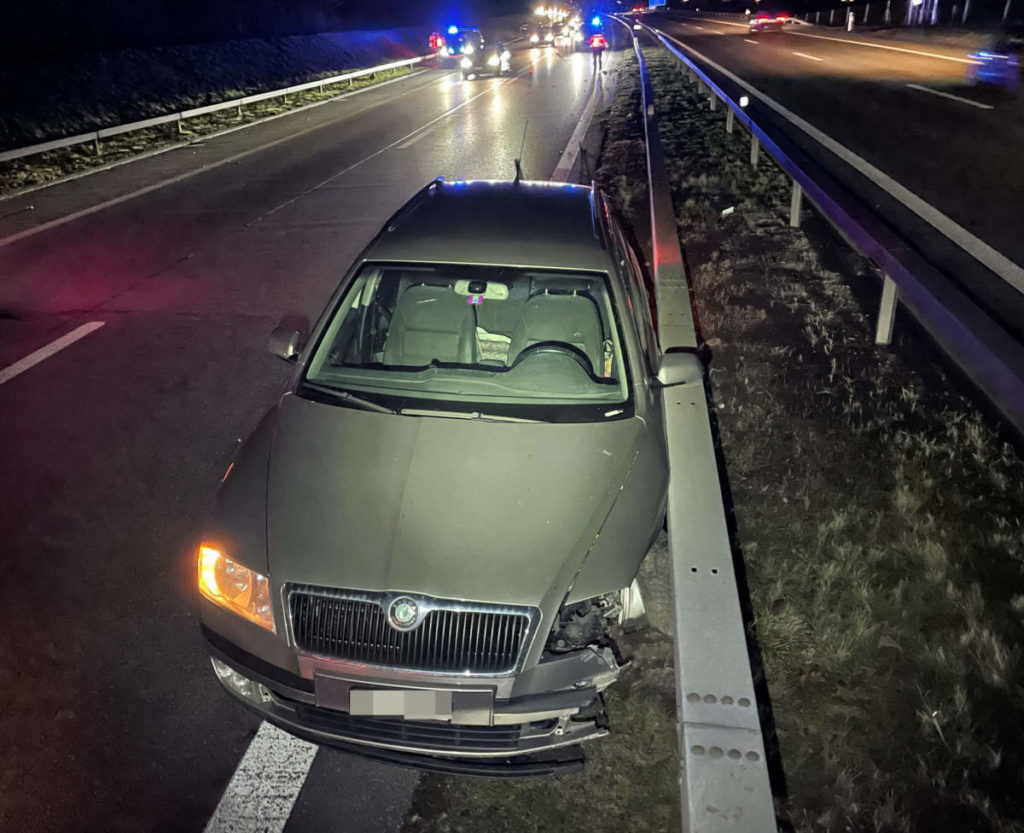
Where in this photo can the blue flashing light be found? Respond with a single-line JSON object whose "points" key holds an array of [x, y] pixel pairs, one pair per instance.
{"points": [[596, 20], [453, 30]]}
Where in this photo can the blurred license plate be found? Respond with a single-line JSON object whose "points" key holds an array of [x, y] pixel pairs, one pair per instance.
{"points": [[407, 703]]}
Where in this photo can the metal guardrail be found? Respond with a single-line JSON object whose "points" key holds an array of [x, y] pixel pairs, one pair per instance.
{"points": [[724, 780], [989, 356], [96, 136]]}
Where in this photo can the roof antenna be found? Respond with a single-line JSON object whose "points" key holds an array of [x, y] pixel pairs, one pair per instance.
{"points": [[519, 167]]}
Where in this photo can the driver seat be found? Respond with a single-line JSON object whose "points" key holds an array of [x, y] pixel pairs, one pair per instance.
{"points": [[431, 323], [571, 319]]}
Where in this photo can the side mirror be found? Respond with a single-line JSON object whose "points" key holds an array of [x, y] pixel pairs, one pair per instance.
{"points": [[284, 343], [679, 369]]}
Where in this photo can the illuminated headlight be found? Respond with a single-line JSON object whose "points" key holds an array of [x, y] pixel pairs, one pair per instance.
{"points": [[451, 50], [549, 37], [534, 38], [493, 61], [239, 589], [238, 683], [466, 63], [468, 49]]}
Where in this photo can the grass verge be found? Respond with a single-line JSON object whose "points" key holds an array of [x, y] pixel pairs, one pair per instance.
{"points": [[879, 514], [53, 165], [630, 781]]}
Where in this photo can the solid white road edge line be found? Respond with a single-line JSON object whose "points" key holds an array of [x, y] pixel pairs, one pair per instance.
{"points": [[885, 46], [572, 150], [808, 57], [980, 250], [951, 97], [21, 192], [748, 40], [45, 226], [42, 353], [854, 42], [263, 790]]}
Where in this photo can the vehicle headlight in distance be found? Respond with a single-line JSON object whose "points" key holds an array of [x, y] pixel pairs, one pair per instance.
{"points": [[534, 38], [549, 36], [242, 591], [466, 63], [493, 61], [469, 49]]}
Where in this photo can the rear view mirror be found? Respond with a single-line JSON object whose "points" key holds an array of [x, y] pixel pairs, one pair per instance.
{"points": [[679, 369], [284, 343]]}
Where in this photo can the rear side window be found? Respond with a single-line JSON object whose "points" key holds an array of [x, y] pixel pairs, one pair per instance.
{"points": [[640, 302]]}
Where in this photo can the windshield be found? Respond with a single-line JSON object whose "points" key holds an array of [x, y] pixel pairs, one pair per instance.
{"points": [[476, 339]]}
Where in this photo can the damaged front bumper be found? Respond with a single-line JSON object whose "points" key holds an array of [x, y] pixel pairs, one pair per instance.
{"points": [[529, 724]]}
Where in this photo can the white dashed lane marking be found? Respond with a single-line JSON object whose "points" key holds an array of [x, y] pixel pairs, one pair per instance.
{"points": [[32, 359], [266, 783], [808, 57], [951, 97]]}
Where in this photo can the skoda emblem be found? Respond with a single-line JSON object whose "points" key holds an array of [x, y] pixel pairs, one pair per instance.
{"points": [[402, 613]]}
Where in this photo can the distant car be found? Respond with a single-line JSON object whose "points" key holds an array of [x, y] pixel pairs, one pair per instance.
{"points": [[464, 40], [998, 63], [493, 60], [426, 550], [546, 37], [764, 21]]}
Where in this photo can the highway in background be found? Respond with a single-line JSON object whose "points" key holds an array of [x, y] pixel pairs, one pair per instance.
{"points": [[112, 447], [904, 107]]}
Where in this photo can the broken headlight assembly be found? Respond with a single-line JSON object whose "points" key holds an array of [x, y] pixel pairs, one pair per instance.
{"points": [[590, 622]]}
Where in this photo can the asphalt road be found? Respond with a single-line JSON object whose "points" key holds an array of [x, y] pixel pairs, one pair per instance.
{"points": [[903, 106], [112, 448]]}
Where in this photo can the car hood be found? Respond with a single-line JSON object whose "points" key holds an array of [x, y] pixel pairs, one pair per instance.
{"points": [[481, 511]]}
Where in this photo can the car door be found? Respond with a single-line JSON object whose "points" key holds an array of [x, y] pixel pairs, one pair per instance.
{"points": [[654, 456]]}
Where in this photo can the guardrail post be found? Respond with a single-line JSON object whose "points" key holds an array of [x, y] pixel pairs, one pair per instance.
{"points": [[887, 311], [755, 149], [181, 128], [712, 101], [849, 20], [729, 116], [831, 16], [887, 15], [795, 204], [867, 8], [239, 111], [96, 146], [817, 18]]}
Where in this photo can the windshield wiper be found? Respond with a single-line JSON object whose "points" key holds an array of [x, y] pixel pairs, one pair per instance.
{"points": [[349, 398], [464, 415]]}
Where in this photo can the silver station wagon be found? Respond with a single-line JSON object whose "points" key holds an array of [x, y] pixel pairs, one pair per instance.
{"points": [[426, 549]]}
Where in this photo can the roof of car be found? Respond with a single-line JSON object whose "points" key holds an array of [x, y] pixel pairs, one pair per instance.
{"points": [[530, 224]]}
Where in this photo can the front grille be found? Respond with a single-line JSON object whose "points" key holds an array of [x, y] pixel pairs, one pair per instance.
{"points": [[451, 638], [419, 734]]}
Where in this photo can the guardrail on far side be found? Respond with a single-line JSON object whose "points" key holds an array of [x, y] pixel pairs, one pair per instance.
{"points": [[724, 780], [96, 136], [987, 354]]}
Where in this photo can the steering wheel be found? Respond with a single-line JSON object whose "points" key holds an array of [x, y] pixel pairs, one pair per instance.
{"points": [[561, 347]]}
